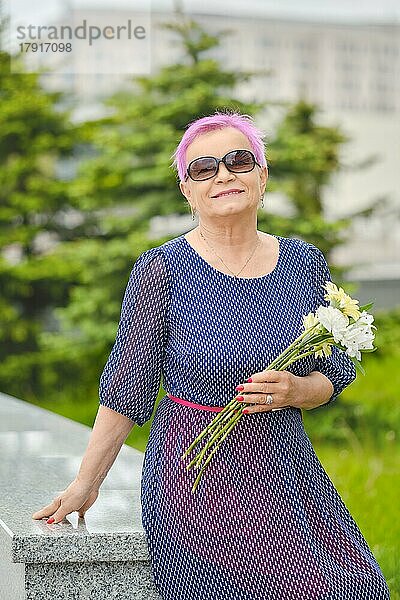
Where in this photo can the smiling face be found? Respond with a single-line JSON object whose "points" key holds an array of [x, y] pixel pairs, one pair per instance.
{"points": [[225, 194]]}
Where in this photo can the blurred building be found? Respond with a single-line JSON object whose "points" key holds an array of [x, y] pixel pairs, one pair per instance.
{"points": [[352, 71], [340, 66]]}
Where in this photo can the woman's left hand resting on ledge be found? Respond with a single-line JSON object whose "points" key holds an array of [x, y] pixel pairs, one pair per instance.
{"points": [[76, 497], [286, 390]]}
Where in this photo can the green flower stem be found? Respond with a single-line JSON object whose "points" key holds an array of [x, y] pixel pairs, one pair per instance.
{"points": [[199, 457], [297, 353], [238, 416], [294, 359], [287, 356], [272, 365], [296, 341], [308, 333], [234, 420], [293, 348], [222, 415], [197, 460], [226, 413], [312, 351]]}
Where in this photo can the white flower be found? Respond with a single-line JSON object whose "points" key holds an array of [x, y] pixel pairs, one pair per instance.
{"points": [[333, 320], [353, 352], [359, 336], [366, 318]]}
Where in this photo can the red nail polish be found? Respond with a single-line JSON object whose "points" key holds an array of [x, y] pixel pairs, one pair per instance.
{"points": [[245, 411], [249, 380], [239, 398], [50, 521], [239, 388]]}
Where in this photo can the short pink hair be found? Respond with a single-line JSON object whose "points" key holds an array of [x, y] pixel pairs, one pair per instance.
{"points": [[219, 120]]}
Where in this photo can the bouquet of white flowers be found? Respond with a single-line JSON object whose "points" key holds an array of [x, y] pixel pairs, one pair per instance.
{"points": [[343, 324]]}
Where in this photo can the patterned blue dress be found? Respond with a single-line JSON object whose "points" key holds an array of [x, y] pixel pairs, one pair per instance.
{"points": [[266, 522]]}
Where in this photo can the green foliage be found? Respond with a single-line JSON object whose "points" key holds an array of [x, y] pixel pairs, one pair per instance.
{"points": [[34, 135], [303, 157], [366, 480], [388, 333]]}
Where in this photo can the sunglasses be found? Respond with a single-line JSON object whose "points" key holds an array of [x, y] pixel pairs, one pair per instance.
{"points": [[206, 167]]}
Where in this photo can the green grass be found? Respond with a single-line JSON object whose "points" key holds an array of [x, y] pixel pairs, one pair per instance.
{"points": [[368, 482]]}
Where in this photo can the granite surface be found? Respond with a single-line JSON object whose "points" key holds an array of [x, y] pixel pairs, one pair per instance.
{"points": [[102, 555]]}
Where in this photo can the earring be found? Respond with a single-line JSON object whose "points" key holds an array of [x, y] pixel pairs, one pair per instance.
{"points": [[262, 201], [193, 213]]}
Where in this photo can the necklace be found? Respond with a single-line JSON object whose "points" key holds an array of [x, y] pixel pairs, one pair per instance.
{"points": [[251, 255]]}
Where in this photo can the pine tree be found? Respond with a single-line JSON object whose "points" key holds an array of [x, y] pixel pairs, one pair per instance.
{"points": [[34, 135]]}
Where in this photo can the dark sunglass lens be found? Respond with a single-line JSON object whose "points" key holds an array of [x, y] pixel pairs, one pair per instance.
{"points": [[202, 168], [240, 160]]}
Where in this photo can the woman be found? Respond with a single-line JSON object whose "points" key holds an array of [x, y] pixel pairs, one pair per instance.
{"points": [[209, 310]]}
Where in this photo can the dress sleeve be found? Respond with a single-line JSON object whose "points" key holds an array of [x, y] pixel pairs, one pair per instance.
{"points": [[130, 380], [337, 367]]}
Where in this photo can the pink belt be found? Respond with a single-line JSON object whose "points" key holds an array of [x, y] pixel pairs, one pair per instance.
{"points": [[194, 405], [212, 408]]}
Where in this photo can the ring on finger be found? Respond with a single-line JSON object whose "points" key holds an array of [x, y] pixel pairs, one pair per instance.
{"points": [[269, 399]]}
